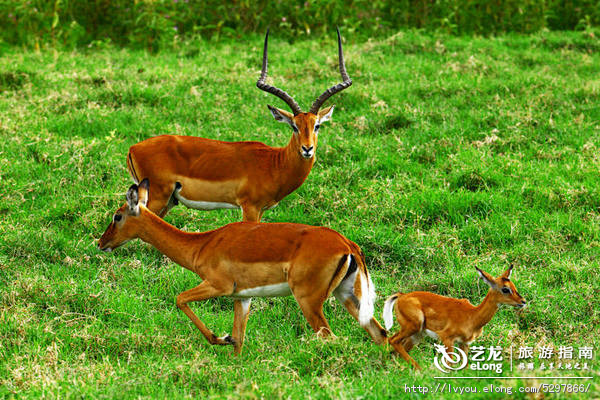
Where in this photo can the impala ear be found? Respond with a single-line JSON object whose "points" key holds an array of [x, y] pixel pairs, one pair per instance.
{"points": [[282, 116], [487, 278], [143, 190], [325, 114], [133, 200], [507, 273]]}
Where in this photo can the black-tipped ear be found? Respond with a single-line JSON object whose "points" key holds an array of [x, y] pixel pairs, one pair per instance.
{"points": [[133, 199], [507, 273], [487, 278]]}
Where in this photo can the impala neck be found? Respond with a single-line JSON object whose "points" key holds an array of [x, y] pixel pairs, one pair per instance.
{"points": [[172, 242], [296, 168], [486, 310]]}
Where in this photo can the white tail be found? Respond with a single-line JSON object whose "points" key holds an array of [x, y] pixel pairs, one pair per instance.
{"points": [[237, 261], [388, 312], [367, 299]]}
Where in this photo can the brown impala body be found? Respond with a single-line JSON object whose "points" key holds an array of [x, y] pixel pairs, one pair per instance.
{"points": [[247, 259], [448, 319], [209, 174]]}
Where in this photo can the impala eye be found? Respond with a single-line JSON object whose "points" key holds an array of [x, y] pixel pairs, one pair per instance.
{"points": [[117, 217], [317, 127], [505, 290], [295, 128]]}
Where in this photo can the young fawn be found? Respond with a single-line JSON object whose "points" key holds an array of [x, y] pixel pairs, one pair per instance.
{"points": [[446, 318]]}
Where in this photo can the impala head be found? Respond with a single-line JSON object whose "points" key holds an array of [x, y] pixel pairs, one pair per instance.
{"points": [[124, 226], [304, 124], [305, 127], [505, 290]]}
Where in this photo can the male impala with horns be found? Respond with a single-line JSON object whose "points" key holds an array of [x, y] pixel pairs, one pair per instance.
{"points": [[209, 174]]}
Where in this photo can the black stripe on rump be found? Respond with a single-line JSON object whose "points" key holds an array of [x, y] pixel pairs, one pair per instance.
{"points": [[135, 175]]}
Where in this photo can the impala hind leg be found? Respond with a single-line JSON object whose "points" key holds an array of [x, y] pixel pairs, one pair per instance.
{"points": [[397, 343], [313, 312], [202, 292], [410, 342], [344, 293], [404, 338], [160, 197], [241, 310], [411, 321]]}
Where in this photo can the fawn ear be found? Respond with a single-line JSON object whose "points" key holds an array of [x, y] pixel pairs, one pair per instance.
{"points": [[133, 200], [143, 189], [487, 278], [507, 273]]}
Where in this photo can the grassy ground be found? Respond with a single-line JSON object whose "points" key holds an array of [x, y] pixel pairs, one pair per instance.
{"points": [[445, 154]]}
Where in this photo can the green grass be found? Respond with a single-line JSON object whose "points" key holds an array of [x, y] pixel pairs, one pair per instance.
{"points": [[447, 153]]}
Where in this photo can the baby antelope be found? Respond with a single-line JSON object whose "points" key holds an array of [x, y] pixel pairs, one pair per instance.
{"points": [[445, 318]]}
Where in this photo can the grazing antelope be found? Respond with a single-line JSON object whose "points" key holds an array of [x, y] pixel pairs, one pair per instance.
{"points": [[247, 259], [446, 318], [209, 174]]}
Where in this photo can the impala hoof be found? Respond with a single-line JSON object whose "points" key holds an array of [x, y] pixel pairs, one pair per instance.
{"points": [[226, 340]]}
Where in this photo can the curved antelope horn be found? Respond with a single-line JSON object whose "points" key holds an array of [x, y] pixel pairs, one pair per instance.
{"points": [[336, 88], [261, 84]]}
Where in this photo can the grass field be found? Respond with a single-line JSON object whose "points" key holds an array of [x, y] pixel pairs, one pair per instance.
{"points": [[446, 153]]}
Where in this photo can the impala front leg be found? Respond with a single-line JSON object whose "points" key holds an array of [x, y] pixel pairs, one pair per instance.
{"points": [[449, 344], [251, 213], [202, 292]]}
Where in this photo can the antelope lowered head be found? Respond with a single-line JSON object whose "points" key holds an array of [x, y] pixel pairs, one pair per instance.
{"points": [[125, 225], [304, 124]]}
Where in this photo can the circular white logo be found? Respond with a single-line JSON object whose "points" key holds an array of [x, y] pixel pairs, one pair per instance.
{"points": [[453, 361]]}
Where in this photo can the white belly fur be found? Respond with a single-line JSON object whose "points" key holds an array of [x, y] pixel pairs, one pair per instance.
{"points": [[204, 205], [276, 290]]}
